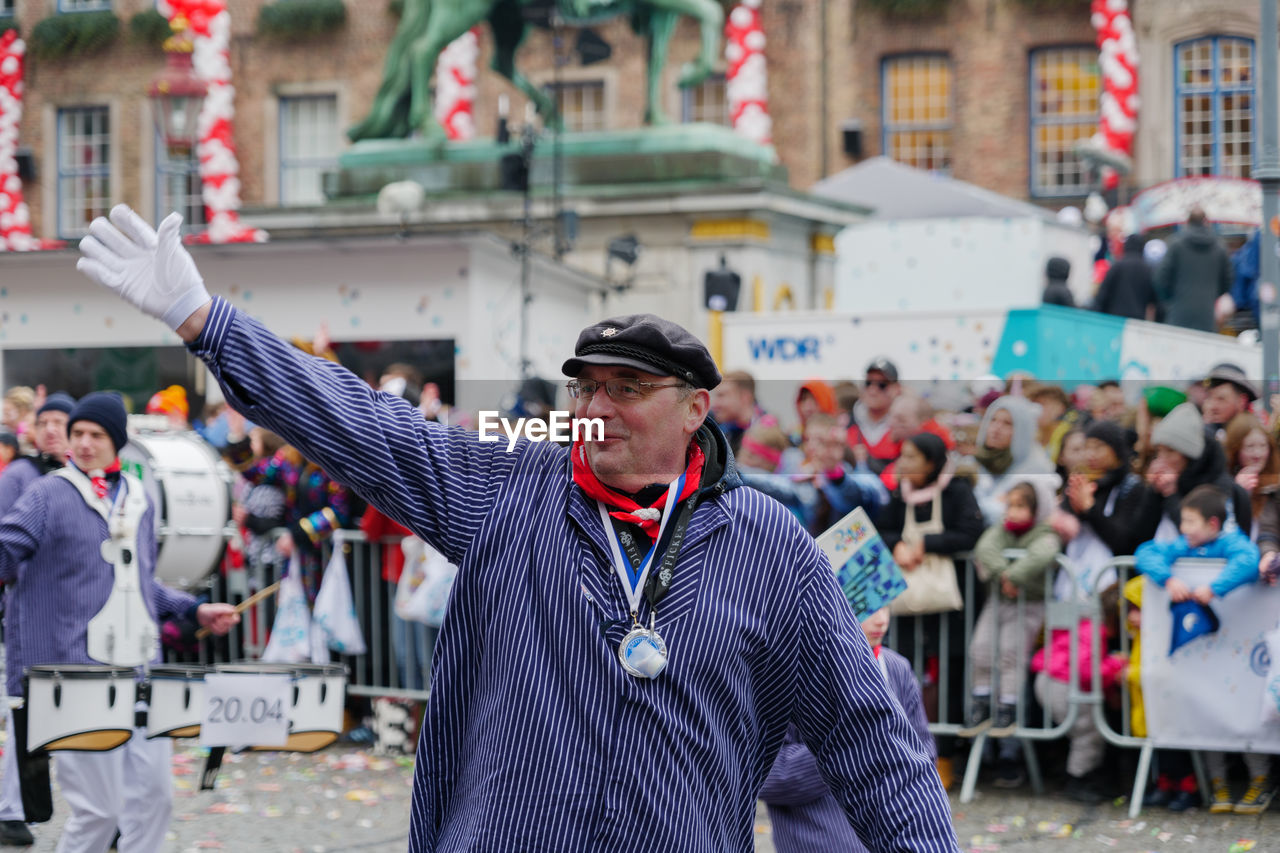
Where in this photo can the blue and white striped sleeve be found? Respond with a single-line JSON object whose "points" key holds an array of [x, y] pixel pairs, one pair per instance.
{"points": [[874, 762], [21, 531], [438, 482]]}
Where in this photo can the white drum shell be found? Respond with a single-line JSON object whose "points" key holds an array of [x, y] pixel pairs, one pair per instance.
{"points": [[177, 703], [190, 486], [86, 716], [319, 696]]}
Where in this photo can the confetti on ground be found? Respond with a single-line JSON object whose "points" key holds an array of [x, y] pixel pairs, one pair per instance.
{"points": [[997, 827], [1106, 841], [1164, 837], [1244, 845]]}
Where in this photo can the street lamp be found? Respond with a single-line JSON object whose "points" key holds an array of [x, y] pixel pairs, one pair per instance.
{"points": [[177, 94]]}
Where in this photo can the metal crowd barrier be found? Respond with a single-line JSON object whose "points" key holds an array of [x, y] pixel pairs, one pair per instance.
{"points": [[1061, 615], [375, 673]]}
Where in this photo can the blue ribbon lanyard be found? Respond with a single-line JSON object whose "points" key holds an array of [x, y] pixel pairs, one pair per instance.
{"points": [[633, 577]]}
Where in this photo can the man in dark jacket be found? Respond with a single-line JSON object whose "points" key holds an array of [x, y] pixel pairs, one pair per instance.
{"points": [[1128, 289], [1195, 272]]}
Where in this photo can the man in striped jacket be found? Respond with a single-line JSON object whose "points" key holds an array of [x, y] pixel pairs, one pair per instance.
{"points": [[581, 701]]}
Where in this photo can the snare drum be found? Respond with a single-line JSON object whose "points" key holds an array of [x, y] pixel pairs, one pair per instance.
{"points": [[190, 487], [316, 711], [79, 707], [177, 700]]}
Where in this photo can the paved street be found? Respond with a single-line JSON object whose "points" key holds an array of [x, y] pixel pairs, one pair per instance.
{"points": [[344, 799]]}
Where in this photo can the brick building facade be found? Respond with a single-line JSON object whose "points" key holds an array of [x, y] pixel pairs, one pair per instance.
{"points": [[993, 91]]}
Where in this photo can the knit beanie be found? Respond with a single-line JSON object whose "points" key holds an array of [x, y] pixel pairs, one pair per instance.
{"points": [[170, 401], [58, 401], [1114, 436], [1181, 430], [1162, 399], [106, 409]]}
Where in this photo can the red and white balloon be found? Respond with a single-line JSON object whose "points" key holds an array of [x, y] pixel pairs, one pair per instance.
{"points": [[1118, 63], [210, 27], [456, 86], [746, 80]]}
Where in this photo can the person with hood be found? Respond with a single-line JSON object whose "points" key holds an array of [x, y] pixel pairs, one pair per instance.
{"points": [[932, 512], [1056, 290], [659, 624], [1246, 263], [1025, 527], [1006, 452], [1186, 457], [1109, 510], [1128, 290], [1194, 275]]}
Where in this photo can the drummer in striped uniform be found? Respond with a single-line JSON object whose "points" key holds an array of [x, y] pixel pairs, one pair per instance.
{"points": [[78, 554], [50, 440], [630, 632]]}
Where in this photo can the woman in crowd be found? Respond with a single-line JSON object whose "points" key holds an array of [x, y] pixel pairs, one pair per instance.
{"points": [[1006, 453], [1109, 510], [1188, 456], [1252, 459], [932, 512]]}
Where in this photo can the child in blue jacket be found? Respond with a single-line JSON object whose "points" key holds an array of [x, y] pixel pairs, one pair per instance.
{"points": [[1204, 511]]}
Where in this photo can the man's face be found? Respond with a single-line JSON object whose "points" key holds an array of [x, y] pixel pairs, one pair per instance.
{"points": [[878, 392], [645, 440], [730, 403], [1000, 430], [1171, 459], [91, 447], [1051, 410], [1108, 403], [904, 420], [1223, 402], [50, 434], [823, 447]]}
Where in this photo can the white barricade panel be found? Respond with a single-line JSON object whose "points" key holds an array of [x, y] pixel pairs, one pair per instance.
{"points": [[1208, 693]]}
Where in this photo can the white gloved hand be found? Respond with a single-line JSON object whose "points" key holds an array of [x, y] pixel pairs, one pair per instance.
{"points": [[150, 270]]}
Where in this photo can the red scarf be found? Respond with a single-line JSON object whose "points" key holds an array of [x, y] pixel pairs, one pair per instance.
{"points": [[100, 483], [623, 507]]}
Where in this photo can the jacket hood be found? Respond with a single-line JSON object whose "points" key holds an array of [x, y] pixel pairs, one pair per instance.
{"points": [[719, 471], [1046, 486], [1024, 414], [1199, 238]]}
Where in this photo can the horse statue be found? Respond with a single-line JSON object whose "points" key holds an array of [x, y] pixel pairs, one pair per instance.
{"points": [[403, 103]]}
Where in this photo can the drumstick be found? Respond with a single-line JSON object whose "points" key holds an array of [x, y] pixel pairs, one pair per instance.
{"points": [[244, 605]]}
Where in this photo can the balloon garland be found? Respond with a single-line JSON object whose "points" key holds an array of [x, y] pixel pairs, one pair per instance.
{"points": [[15, 217], [1118, 62], [747, 78], [456, 86], [210, 26]]}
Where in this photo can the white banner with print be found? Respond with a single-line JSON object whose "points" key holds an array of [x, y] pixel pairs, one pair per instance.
{"points": [[1209, 693]]}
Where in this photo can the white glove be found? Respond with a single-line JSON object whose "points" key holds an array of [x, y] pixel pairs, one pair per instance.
{"points": [[151, 271]]}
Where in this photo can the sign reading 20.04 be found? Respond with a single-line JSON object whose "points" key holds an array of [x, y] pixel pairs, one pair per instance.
{"points": [[246, 709]]}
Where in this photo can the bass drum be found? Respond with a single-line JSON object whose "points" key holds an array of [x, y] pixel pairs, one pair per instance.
{"points": [[190, 486]]}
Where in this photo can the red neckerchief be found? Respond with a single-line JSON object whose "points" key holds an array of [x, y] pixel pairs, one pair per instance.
{"points": [[100, 483], [875, 650], [623, 507]]}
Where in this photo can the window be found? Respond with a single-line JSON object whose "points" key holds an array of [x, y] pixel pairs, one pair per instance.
{"points": [[1214, 88], [916, 111], [708, 101], [178, 187], [580, 104], [308, 146], [1064, 111], [84, 168], [6, 8], [84, 5]]}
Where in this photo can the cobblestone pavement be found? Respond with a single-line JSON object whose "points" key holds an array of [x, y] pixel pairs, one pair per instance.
{"points": [[346, 799]]}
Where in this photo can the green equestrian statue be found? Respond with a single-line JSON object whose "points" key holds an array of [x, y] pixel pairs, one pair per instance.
{"points": [[403, 103]]}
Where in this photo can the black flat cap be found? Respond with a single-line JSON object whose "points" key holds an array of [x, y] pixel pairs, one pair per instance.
{"points": [[646, 342]]}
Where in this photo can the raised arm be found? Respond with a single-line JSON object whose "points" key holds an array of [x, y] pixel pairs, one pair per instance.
{"points": [[440, 483]]}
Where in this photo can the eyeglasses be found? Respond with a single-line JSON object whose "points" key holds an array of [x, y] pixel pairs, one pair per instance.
{"points": [[882, 384], [621, 390]]}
